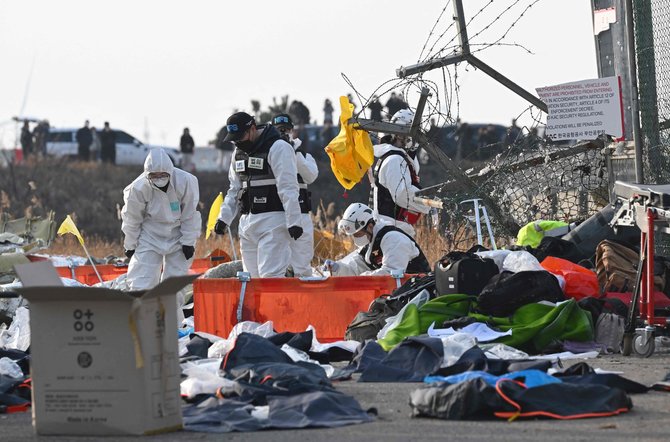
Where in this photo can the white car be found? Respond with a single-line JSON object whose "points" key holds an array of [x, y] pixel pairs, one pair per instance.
{"points": [[129, 150], [211, 159]]}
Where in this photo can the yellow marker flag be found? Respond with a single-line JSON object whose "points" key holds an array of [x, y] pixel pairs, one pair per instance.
{"points": [[213, 214], [68, 226], [351, 153]]}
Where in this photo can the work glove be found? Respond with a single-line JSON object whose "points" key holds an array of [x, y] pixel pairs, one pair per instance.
{"points": [[295, 232], [129, 253], [330, 266], [188, 251], [297, 144], [220, 227]]}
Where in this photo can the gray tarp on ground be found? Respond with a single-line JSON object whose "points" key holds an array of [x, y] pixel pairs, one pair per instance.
{"points": [[317, 409]]}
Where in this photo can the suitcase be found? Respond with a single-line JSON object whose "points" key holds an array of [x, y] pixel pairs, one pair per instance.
{"points": [[468, 274]]}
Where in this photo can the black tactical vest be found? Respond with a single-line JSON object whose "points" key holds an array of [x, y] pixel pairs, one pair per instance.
{"points": [[259, 187], [417, 265], [385, 204]]}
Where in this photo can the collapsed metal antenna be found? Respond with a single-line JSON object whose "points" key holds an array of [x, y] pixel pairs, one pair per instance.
{"points": [[466, 55]]}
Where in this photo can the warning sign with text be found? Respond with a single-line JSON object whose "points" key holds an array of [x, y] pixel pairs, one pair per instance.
{"points": [[584, 109]]}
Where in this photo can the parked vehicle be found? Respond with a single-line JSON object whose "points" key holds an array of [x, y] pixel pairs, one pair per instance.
{"points": [[211, 159], [129, 150]]}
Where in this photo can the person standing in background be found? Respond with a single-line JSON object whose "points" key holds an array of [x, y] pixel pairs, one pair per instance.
{"points": [[186, 144], [375, 107], [108, 145], [26, 140], [84, 141], [40, 134], [328, 112]]}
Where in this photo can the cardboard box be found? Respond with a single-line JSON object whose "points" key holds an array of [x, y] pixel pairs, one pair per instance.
{"points": [[104, 362]]}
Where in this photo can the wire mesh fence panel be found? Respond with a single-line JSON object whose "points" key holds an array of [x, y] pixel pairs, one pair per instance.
{"points": [[652, 47], [531, 180]]}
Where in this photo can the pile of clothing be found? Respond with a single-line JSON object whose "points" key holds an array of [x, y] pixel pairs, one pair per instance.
{"points": [[262, 379], [258, 379], [15, 390], [540, 298]]}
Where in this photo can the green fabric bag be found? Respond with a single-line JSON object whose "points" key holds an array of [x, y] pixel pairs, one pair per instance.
{"points": [[416, 321], [534, 326]]}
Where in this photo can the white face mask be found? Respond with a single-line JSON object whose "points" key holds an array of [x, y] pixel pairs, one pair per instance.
{"points": [[160, 182], [361, 241]]}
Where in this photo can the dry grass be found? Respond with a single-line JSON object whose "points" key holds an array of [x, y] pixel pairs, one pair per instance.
{"points": [[98, 248], [328, 243]]}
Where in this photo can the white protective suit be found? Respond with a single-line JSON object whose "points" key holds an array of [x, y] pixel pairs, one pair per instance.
{"points": [[264, 239], [157, 224], [397, 249], [302, 250], [394, 174]]}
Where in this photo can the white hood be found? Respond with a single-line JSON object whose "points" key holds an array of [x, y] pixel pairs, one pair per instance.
{"points": [[383, 149], [158, 161]]}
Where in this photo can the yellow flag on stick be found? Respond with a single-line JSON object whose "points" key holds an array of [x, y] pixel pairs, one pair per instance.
{"points": [[213, 214], [68, 226]]}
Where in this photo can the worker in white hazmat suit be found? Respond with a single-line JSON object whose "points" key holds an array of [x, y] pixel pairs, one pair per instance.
{"points": [[302, 249], [396, 179], [161, 222], [382, 248], [264, 187]]}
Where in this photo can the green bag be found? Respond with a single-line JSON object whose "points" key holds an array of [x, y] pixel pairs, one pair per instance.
{"points": [[534, 326]]}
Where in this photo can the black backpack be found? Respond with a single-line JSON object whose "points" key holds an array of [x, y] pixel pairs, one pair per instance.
{"points": [[508, 291], [366, 325], [464, 273], [559, 248]]}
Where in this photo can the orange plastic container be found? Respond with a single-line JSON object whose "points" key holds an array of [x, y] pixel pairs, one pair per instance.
{"points": [[86, 274], [290, 303]]}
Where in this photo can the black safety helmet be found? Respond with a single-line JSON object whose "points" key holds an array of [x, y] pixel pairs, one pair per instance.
{"points": [[282, 121]]}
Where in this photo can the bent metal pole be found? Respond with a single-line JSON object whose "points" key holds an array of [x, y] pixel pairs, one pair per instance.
{"points": [[232, 243]]}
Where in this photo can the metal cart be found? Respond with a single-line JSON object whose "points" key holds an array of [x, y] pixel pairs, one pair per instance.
{"points": [[646, 206]]}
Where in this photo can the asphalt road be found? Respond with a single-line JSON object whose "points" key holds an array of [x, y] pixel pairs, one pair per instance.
{"points": [[648, 420]]}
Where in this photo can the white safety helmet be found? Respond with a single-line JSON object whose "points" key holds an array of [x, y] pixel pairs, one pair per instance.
{"points": [[403, 116], [355, 218]]}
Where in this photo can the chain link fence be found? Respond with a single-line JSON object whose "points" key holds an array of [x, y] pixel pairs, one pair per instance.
{"points": [[652, 49], [531, 179], [651, 20]]}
